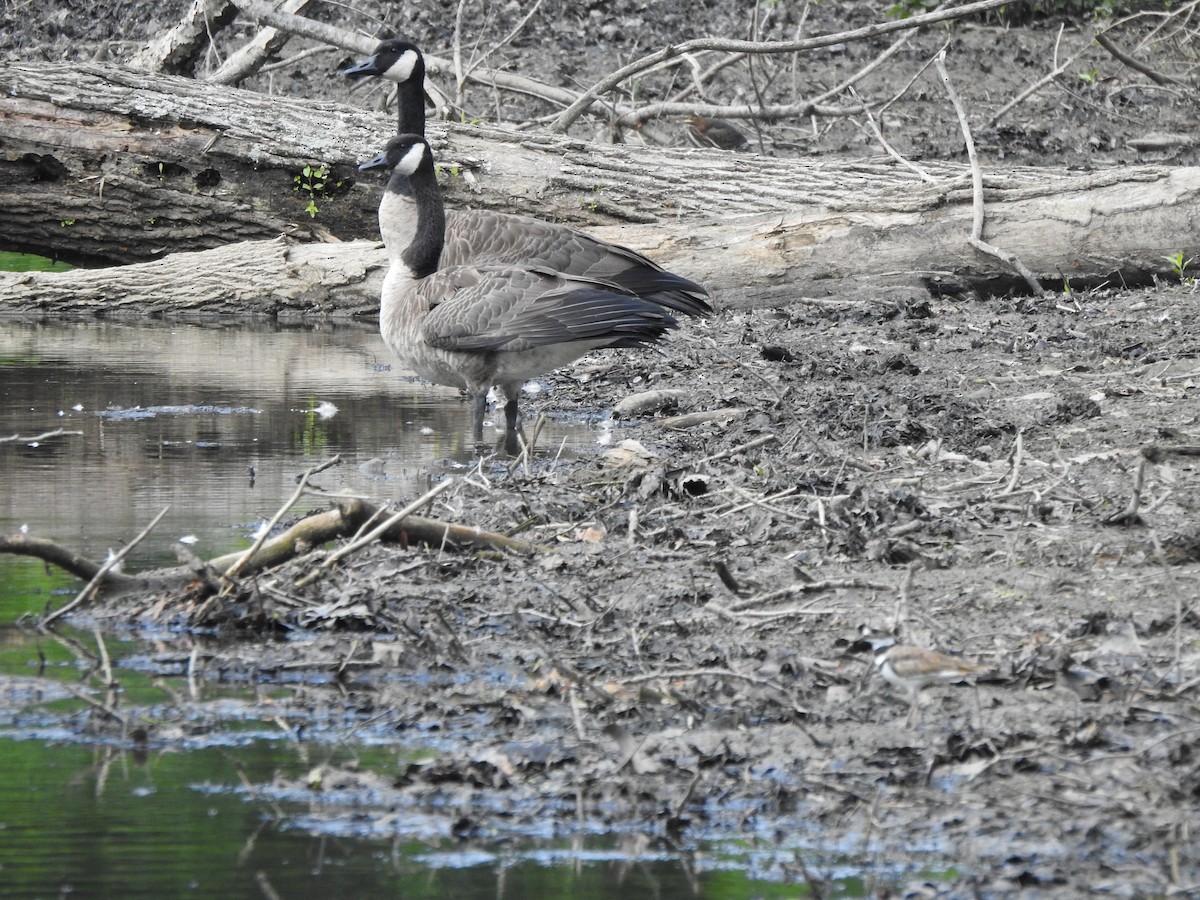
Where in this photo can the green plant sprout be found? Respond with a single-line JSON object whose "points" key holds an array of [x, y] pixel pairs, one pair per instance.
{"points": [[1179, 265], [312, 180]]}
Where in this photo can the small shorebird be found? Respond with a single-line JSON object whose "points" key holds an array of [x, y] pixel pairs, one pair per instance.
{"points": [[915, 668]]}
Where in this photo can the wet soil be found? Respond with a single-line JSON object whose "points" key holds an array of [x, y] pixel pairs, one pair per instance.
{"points": [[1010, 478]]}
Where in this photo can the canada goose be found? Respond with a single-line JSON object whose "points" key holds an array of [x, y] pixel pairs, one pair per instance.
{"points": [[477, 237], [474, 326]]}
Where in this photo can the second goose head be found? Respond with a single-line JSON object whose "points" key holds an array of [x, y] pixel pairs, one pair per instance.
{"points": [[400, 61]]}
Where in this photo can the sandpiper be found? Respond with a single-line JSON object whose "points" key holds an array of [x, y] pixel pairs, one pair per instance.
{"points": [[914, 668]]}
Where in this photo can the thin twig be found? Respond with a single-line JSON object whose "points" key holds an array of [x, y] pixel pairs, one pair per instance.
{"points": [[265, 531], [1177, 590], [866, 70], [883, 142], [606, 84], [1039, 84], [1018, 458], [976, 239], [109, 564], [461, 74], [1129, 515]]}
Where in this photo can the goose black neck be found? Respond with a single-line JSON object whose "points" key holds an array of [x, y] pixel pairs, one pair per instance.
{"points": [[410, 103], [422, 255]]}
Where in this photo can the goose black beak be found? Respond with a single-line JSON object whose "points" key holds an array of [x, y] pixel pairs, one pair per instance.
{"points": [[375, 162], [365, 69]]}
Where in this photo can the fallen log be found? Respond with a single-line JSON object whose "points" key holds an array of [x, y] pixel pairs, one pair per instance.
{"points": [[100, 157], [1068, 229]]}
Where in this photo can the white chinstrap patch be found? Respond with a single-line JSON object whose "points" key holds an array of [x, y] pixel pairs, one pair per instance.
{"points": [[411, 160], [401, 70]]}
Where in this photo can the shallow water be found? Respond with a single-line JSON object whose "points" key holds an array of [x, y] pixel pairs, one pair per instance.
{"points": [[219, 807], [217, 423], [113, 822]]}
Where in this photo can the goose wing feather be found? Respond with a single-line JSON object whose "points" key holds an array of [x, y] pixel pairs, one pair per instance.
{"points": [[511, 309], [485, 236]]}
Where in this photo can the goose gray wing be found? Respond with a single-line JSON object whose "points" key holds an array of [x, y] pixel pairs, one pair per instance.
{"points": [[480, 237], [515, 308]]}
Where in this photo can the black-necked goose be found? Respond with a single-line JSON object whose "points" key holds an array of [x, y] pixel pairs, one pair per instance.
{"points": [[474, 326], [485, 236]]}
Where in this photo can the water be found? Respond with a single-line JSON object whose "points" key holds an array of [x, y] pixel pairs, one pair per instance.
{"points": [[111, 822], [217, 423], [216, 804]]}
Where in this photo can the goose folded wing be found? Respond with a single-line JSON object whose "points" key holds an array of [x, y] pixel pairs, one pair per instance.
{"points": [[512, 309], [491, 237]]}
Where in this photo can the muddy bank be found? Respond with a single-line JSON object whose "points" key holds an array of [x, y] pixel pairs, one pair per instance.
{"points": [[678, 660]]}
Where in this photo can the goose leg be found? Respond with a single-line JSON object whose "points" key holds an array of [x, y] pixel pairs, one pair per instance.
{"points": [[479, 404], [511, 445]]}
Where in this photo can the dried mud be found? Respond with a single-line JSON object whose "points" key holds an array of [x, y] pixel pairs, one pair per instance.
{"points": [[678, 661]]}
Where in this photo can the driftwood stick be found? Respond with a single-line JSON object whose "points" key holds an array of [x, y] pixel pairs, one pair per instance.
{"points": [[267, 14], [373, 534], [1136, 64], [435, 533], [809, 587], [976, 239], [176, 49], [349, 517], [44, 436], [379, 530], [691, 420], [98, 578], [309, 532], [358, 43], [250, 57], [55, 554], [265, 532], [749, 445]]}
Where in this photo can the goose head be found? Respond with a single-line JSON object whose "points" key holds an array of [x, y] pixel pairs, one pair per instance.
{"points": [[400, 61], [396, 60], [406, 154], [415, 240]]}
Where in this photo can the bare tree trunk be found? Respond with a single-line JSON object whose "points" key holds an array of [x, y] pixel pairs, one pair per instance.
{"points": [[250, 58], [104, 164], [177, 50]]}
